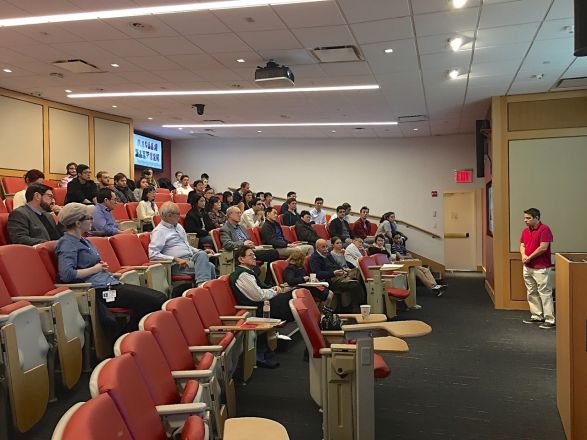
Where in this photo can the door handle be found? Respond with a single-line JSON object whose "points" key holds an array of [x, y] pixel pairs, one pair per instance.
{"points": [[456, 235]]}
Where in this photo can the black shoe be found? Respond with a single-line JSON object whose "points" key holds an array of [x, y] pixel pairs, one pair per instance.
{"points": [[533, 321], [272, 365], [439, 289], [547, 325]]}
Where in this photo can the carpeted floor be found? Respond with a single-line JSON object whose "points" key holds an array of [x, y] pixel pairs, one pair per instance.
{"points": [[480, 375]]}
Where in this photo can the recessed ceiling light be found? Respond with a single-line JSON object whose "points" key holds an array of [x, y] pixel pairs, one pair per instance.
{"points": [[154, 10], [150, 118], [333, 131], [180, 128], [115, 65], [293, 124], [67, 91], [389, 50], [259, 131], [458, 3], [240, 60], [415, 129], [538, 76], [456, 43], [7, 70], [454, 73], [114, 106], [228, 91]]}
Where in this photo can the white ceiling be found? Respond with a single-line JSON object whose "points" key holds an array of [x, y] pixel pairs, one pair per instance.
{"points": [[510, 41]]}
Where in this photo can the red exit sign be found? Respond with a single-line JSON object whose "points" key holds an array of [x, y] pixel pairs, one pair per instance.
{"points": [[464, 176]]}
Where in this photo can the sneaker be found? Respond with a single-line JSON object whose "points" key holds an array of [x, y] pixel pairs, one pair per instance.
{"points": [[416, 307], [533, 321], [547, 325], [439, 289]]}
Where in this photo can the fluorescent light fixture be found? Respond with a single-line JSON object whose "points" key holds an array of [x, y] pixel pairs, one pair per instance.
{"points": [[458, 3], [454, 73], [456, 43], [7, 70], [227, 91], [154, 10], [240, 60], [293, 124], [390, 50]]}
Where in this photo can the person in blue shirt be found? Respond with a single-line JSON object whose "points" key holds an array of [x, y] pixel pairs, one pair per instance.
{"points": [[80, 262], [104, 223]]}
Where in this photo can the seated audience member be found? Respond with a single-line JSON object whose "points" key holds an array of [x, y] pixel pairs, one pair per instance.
{"points": [[121, 189], [215, 215], [339, 227], [295, 274], [317, 214], [254, 217], [347, 211], [184, 188], [226, 201], [290, 195], [169, 242], [362, 227], [148, 174], [79, 262], [104, 224], [208, 193], [249, 290], [141, 185], [261, 196], [233, 236], [354, 251], [198, 190], [268, 199], [71, 174], [344, 283], [247, 200], [31, 177], [165, 183], [337, 252], [198, 222], [147, 209], [271, 234], [398, 250], [290, 217], [304, 230], [102, 180], [238, 194], [177, 182], [378, 246], [32, 224], [387, 227], [82, 189], [205, 178]]}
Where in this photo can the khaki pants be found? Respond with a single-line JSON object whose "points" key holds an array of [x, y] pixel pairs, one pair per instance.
{"points": [[306, 249], [424, 275], [539, 286]]}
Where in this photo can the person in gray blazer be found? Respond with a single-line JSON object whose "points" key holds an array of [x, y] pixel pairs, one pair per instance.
{"points": [[32, 223]]}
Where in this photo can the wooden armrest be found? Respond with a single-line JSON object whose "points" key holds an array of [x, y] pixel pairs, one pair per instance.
{"points": [[192, 374], [400, 329], [230, 318], [245, 307], [205, 348], [373, 317], [392, 276], [180, 408], [374, 267], [332, 333], [343, 347]]}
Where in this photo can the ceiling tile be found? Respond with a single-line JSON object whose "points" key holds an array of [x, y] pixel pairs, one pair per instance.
{"points": [[368, 10], [261, 18], [289, 57], [90, 30], [403, 58], [310, 14], [325, 36], [383, 30], [155, 62], [197, 62], [454, 21], [561, 9], [263, 40], [447, 60], [346, 69], [439, 43], [195, 23], [49, 33], [170, 45], [556, 29], [252, 59], [150, 26], [427, 6], [514, 12], [36, 7], [214, 43], [577, 68], [125, 48], [500, 53], [506, 34]]}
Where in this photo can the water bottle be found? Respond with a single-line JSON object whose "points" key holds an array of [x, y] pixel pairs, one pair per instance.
{"points": [[266, 309]]}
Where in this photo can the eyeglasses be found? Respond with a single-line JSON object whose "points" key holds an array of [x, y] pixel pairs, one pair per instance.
{"points": [[86, 217]]}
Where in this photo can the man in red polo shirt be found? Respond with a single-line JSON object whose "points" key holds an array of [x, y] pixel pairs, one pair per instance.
{"points": [[535, 251]]}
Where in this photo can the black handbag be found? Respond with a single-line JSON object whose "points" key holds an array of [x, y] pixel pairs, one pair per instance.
{"points": [[330, 320]]}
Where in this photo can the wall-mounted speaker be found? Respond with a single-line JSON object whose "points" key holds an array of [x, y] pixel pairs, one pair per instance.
{"points": [[480, 142], [580, 28]]}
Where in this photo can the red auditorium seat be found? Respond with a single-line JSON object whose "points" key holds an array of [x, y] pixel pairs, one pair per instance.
{"points": [[184, 208], [373, 229], [51, 183], [255, 235], [124, 274], [59, 194], [12, 185], [2, 207], [321, 231], [289, 233], [277, 208], [277, 268], [4, 239], [163, 197], [131, 210], [9, 203], [224, 299], [180, 198], [163, 190], [119, 213]]}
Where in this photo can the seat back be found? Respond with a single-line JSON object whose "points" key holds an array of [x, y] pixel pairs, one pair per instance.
{"points": [[277, 268], [372, 228], [163, 190], [183, 208], [2, 206], [129, 250], [255, 235], [163, 197], [222, 295], [309, 327], [280, 219], [305, 295], [46, 251], [307, 264], [277, 208], [185, 313], [294, 233], [321, 231], [4, 238], [215, 233], [170, 339], [381, 259], [9, 203], [121, 379], [12, 185], [106, 252], [86, 420], [204, 305], [364, 263], [51, 183], [23, 271], [145, 238], [180, 198], [59, 194], [288, 234], [151, 362], [131, 210], [119, 212]]}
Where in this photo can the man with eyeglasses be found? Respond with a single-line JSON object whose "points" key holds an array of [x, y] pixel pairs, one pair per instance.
{"points": [[32, 223], [254, 217], [82, 189]]}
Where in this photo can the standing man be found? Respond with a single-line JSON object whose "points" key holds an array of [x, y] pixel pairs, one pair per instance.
{"points": [[535, 251], [237, 196]]}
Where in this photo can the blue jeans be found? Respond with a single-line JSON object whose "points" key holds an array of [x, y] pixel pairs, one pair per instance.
{"points": [[202, 269]]}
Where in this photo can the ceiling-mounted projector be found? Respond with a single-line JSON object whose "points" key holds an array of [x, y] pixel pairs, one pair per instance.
{"points": [[274, 75]]}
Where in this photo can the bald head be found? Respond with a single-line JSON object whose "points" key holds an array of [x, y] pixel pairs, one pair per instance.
{"points": [[321, 246]]}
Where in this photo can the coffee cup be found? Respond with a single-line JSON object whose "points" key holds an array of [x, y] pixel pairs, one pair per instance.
{"points": [[313, 278], [365, 311]]}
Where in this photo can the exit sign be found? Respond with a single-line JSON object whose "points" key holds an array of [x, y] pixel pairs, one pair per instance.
{"points": [[464, 176]]}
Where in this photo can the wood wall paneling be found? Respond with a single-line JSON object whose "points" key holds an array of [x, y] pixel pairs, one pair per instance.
{"points": [[546, 114], [69, 139], [517, 286]]}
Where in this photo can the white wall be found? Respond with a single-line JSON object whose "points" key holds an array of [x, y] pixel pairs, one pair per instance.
{"points": [[384, 174]]}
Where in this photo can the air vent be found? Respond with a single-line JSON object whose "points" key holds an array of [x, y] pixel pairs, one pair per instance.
{"points": [[412, 118], [199, 135], [571, 83], [77, 66], [337, 54]]}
